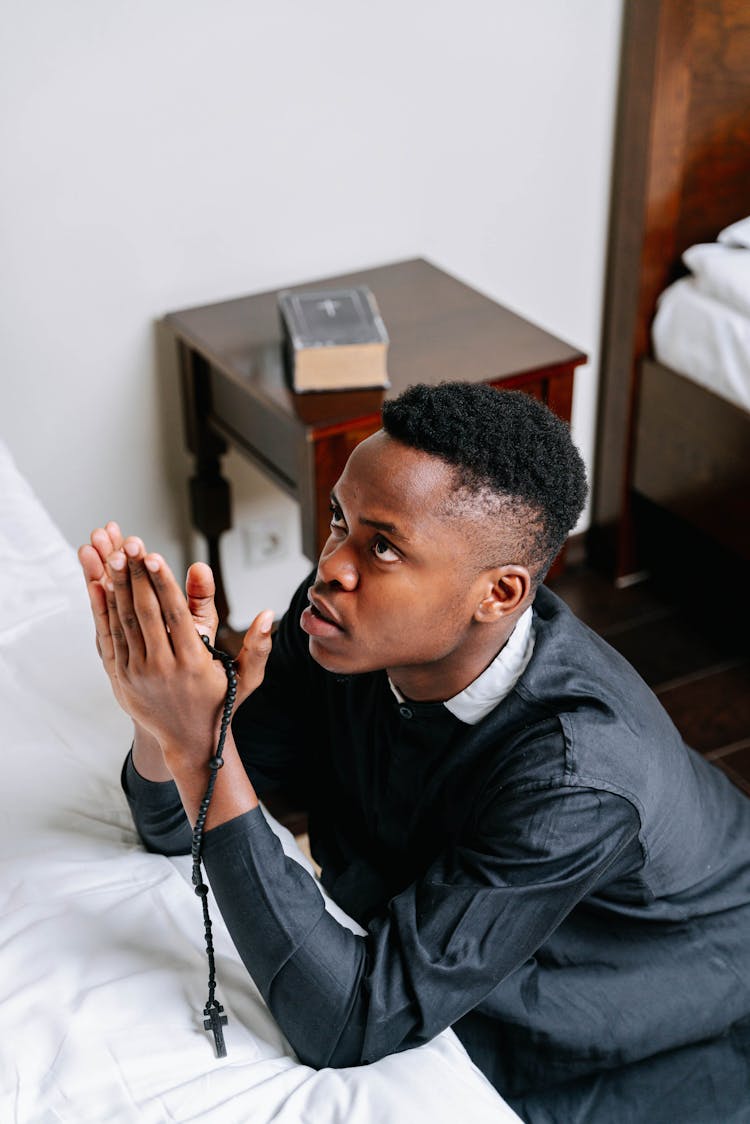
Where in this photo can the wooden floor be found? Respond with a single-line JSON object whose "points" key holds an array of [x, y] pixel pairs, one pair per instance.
{"points": [[698, 666]]}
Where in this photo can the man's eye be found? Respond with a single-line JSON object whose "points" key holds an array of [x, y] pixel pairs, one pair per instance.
{"points": [[385, 551], [337, 516]]}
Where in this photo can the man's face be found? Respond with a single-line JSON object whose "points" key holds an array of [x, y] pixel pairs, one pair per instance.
{"points": [[397, 583]]}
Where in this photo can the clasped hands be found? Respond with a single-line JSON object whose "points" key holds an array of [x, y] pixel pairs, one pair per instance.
{"points": [[147, 635]]}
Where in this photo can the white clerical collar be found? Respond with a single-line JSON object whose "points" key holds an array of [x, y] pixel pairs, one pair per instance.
{"points": [[496, 681]]}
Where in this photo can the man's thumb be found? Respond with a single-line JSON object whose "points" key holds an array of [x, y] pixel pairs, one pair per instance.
{"points": [[200, 589], [256, 648]]}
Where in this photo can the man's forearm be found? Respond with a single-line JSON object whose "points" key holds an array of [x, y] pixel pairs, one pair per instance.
{"points": [[307, 966], [233, 793], [147, 756], [165, 798]]}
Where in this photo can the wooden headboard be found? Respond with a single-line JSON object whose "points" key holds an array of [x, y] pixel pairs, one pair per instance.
{"points": [[681, 173]]}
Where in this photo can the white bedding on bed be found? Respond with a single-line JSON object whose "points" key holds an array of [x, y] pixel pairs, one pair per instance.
{"points": [[704, 339], [104, 972]]}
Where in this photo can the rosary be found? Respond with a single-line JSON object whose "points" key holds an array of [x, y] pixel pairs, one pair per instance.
{"points": [[214, 1019]]}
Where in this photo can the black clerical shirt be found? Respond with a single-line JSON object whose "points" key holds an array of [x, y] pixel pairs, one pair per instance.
{"points": [[565, 883]]}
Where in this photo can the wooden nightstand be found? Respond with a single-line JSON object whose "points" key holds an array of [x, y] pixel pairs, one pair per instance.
{"points": [[235, 391]]}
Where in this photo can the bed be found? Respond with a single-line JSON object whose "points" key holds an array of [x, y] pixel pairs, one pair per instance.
{"points": [[102, 944], [673, 458], [691, 454]]}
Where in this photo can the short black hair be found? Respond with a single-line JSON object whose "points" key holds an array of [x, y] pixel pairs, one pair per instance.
{"points": [[508, 450]]}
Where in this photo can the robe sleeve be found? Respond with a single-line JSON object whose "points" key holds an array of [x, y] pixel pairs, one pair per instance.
{"points": [[157, 812], [441, 946]]}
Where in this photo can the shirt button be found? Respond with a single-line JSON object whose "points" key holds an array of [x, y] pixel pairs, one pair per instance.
{"points": [[406, 712]]}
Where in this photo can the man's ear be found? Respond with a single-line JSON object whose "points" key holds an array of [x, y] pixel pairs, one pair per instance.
{"points": [[506, 589]]}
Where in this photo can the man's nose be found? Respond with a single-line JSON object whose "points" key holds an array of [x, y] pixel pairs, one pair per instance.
{"points": [[336, 566]]}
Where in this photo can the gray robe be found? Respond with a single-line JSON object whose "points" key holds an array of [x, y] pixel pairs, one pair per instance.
{"points": [[565, 883]]}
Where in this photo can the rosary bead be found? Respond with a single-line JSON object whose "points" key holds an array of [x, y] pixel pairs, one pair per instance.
{"points": [[213, 1009]]}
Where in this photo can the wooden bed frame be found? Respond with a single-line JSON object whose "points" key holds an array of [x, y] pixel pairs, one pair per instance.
{"points": [[671, 454]]}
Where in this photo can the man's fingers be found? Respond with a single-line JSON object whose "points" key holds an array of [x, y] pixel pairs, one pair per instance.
{"points": [[128, 624], [101, 543], [107, 539], [256, 648], [91, 563], [116, 633], [115, 534], [145, 601], [93, 572], [174, 607], [201, 588]]}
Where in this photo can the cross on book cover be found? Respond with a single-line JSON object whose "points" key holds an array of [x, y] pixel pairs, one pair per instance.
{"points": [[335, 339]]}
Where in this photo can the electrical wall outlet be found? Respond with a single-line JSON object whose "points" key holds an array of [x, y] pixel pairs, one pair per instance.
{"points": [[263, 540]]}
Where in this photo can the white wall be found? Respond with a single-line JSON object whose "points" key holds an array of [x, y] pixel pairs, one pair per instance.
{"points": [[163, 153]]}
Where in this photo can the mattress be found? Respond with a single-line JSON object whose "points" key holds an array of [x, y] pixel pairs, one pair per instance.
{"points": [[704, 339], [104, 970]]}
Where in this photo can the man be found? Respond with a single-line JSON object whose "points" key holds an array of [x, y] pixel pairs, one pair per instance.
{"points": [[494, 794]]}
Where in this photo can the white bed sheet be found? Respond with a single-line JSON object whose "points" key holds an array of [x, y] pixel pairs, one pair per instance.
{"points": [[104, 972], [705, 340]]}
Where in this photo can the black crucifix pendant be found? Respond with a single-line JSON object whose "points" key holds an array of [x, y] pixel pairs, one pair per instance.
{"points": [[214, 1021]]}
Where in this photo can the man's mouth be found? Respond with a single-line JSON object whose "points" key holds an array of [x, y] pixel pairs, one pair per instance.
{"points": [[321, 616], [318, 619]]}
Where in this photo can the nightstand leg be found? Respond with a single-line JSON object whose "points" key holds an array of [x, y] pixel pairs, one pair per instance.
{"points": [[210, 510], [210, 497]]}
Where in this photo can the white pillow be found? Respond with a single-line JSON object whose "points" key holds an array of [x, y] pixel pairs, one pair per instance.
{"points": [[35, 560], [738, 234], [721, 272]]}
